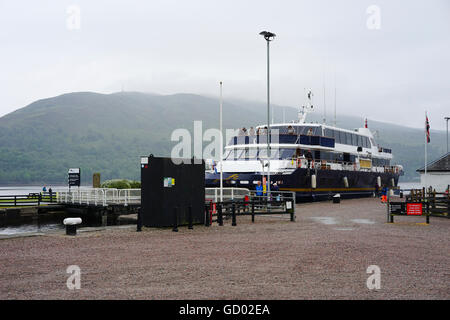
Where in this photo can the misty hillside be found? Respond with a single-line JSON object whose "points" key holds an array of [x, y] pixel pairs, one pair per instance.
{"points": [[107, 133]]}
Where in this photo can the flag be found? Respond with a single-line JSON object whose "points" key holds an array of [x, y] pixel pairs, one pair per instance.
{"points": [[427, 129]]}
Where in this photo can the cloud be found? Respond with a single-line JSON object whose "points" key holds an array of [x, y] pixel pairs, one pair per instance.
{"points": [[388, 74]]}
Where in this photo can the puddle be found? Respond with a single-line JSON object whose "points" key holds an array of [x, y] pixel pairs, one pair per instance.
{"points": [[325, 220], [363, 221]]}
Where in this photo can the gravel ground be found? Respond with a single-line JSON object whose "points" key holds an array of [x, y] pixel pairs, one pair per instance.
{"points": [[323, 255]]}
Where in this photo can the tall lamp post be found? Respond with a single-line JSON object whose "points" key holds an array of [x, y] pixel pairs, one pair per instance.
{"points": [[446, 119], [269, 36], [221, 144]]}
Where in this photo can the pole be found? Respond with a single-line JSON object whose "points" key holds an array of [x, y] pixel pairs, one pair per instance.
{"points": [[268, 123], [335, 98], [221, 144], [426, 142], [446, 119], [324, 102]]}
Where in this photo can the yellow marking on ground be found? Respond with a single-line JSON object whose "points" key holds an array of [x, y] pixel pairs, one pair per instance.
{"points": [[328, 189], [408, 223]]}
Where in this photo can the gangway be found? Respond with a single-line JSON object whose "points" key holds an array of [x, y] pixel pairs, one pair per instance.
{"points": [[100, 197]]}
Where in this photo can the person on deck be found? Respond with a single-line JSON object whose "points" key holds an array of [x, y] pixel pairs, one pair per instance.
{"points": [[251, 132], [259, 189], [275, 193]]}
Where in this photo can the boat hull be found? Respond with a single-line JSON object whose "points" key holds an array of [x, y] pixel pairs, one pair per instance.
{"points": [[328, 182]]}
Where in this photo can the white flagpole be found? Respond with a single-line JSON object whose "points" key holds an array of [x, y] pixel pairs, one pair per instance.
{"points": [[221, 145], [426, 142]]}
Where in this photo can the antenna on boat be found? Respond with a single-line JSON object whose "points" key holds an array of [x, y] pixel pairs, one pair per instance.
{"points": [[324, 102], [308, 107], [335, 97]]}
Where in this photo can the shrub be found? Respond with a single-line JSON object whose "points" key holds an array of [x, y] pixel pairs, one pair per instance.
{"points": [[117, 184], [135, 184]]}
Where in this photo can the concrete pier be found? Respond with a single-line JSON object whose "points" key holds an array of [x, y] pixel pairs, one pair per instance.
{"points": [[325, 254]]}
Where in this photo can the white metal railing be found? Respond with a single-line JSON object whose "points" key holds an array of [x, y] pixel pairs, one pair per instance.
{"points": [[228, 193], [339, 165], [99, 196]]}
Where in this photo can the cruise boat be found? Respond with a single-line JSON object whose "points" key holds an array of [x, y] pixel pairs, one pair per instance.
{"points": [[315, 160]]}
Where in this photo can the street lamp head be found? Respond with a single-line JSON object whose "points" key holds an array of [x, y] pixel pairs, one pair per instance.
{"points": [[267, 35]]}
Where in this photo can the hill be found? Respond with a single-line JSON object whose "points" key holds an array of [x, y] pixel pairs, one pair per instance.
{"points": [[108, 132]]}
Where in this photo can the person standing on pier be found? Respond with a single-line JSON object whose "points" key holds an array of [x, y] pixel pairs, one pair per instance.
{"points": [[384, 194], [259, 189]]}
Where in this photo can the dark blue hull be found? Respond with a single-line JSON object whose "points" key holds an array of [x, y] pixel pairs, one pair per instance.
{"points": [[328, 182]]}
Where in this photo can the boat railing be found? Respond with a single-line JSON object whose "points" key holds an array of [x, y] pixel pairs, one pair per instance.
{"points": [[284, 139], [340, 165]]}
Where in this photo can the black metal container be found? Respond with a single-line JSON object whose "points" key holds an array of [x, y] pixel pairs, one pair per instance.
{"points": [[166, 185]]}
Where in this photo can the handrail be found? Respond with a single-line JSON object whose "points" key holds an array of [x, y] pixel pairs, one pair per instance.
{"points": [[101, 196]]}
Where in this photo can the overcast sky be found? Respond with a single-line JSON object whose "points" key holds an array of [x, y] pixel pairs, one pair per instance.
{"points": [[390, 59]]}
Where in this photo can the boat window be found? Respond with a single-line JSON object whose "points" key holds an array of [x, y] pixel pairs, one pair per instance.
{"points": [[303, 130], [368, 142], [235, 154], [278, 130], [348, 138], [262, 154], [229, 155], [342, 136], [337, 138], [226, 154], [251, 153], [354, 140], [316, 131], [243, 154], [359, 140], [283, 153]]}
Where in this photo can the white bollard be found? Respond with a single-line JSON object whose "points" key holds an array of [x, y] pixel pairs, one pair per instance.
{"points": [[71, 225]]}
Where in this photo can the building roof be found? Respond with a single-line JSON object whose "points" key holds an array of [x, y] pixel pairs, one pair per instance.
{"points": [[440, 165]]}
